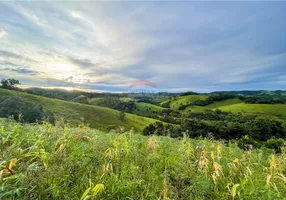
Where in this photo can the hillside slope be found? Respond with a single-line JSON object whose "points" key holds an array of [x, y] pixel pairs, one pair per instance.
{"points": [[176, 102], [277, 111], [227, 102], [95, 116], [146, 109]]}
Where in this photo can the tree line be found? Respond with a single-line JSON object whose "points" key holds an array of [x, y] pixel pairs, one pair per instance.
{"points": [[221, 125]]}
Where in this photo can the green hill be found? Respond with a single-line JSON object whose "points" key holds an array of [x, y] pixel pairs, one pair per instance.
{"points": [[95, 116], [195, 109], [227, 102], [176, 102], [277, 111], [146, 109]]}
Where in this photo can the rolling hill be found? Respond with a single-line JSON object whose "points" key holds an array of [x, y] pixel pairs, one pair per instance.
{"points": [[176, 102], [96, 116], [277, 111], [146, 109], [227, 102]]}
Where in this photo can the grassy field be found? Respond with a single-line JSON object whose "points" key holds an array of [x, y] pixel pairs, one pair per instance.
{"points": [[145, 109], [277, 111], [96, 116], [215, 105], [45, 162], [195, 109], [184, 100], [227, 102]]}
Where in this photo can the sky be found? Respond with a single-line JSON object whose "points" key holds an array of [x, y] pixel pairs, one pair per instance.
{"points": [[178, 46]]}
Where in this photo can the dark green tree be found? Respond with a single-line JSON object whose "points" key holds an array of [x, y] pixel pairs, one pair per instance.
{"points": [[10, 83]]}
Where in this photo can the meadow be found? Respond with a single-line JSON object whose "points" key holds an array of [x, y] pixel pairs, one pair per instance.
{"points": [[176, 102], [146, 109], [60, 162], [276, 111], [235, 105], [96, 116]]}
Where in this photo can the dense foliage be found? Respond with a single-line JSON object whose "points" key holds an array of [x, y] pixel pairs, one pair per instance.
{"points": [[220, 125], [10, 83], [262, 100], [189, 93], [115, 103], [19, 110], [45, 162]]}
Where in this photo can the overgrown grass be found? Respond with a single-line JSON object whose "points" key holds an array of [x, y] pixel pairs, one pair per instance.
{"points": [[98, 117], [69, 163]]}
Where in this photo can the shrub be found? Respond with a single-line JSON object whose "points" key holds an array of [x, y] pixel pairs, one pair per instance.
{"points": [[275, 143], [245, 142]]}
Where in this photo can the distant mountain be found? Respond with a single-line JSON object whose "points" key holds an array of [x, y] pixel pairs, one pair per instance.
{"points": [[262, 93]]}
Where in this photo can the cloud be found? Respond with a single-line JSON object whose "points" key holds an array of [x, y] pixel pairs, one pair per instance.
{"points": [[205, 47], [2, 33], [23, 71], [9, 54]]}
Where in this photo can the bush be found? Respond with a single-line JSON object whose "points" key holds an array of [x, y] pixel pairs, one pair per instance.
{"points": [[275, 144], [160, 129], [247, 143]]}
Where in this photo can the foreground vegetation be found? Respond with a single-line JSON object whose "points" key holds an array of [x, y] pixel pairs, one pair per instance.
{"points": [[46, 162]]}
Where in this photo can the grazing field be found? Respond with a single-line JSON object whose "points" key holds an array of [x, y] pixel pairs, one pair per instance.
{"points": [[146, 109], [215, 105], [277, 111], [176, 102], [95, 116], [45, 162], [195, 109], [227, 102]]}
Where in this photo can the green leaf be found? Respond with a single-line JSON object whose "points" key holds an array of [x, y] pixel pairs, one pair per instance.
{"points": [[85, 194]]}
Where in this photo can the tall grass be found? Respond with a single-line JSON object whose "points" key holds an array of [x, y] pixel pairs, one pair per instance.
{"points": [[45, 162]]}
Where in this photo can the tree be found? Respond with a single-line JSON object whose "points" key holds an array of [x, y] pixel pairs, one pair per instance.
{"points": [[10, 83], [149, 130]]}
